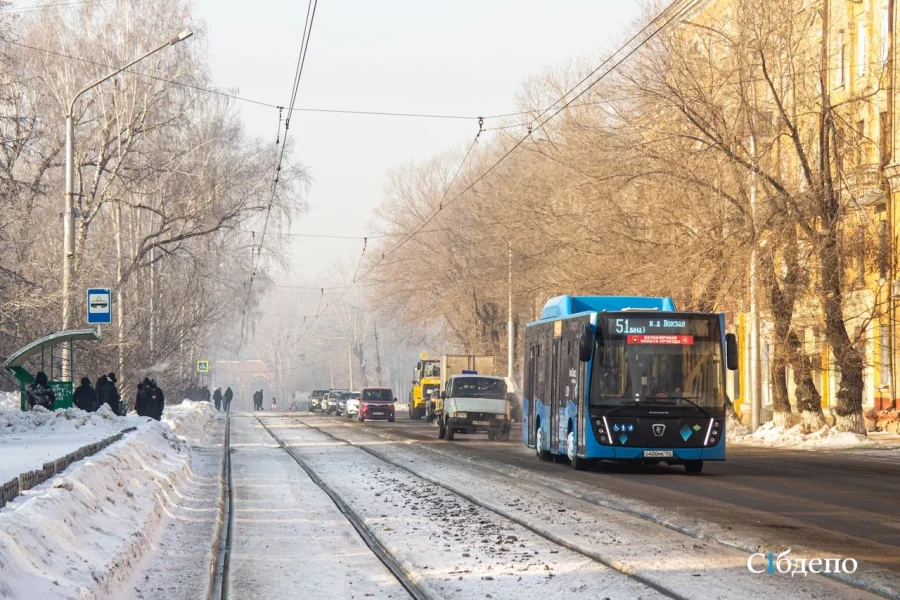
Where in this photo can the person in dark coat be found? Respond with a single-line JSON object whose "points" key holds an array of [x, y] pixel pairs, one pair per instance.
{"points": [[101, 383], [40, 393], [110, 394], [157, 401], [217, 398], [227, 399], [206, 393], [85, 396], [142, 401]]}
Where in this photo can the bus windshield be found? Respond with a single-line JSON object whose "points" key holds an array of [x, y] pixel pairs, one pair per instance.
{"points": [[659, 360]]}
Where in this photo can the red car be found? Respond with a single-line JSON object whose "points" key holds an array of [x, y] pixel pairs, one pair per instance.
{"points": [[376, 403]]}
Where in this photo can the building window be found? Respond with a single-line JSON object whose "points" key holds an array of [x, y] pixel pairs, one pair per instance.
{"points": [[860, 48], [842, 60], [884, 34], [885, 356]]}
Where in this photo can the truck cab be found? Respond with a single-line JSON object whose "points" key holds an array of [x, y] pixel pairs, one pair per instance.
{"points": [[473, 403]]}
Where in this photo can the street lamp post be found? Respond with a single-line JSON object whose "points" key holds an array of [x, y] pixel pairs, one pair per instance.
{"points": [[69, 213]]}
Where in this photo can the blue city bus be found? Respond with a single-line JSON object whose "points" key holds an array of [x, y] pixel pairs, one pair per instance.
{"points": [[626, 379]]}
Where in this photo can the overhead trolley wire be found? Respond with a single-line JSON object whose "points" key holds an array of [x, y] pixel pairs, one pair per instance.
{"points": [[442, 204]]}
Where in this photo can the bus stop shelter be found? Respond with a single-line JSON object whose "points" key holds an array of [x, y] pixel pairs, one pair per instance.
{"points": [[44, 355]]}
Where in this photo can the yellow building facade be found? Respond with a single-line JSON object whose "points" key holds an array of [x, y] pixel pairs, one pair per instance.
{"points": [[861, 82]]}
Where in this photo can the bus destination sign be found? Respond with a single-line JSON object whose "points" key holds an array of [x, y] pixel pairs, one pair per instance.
{"points": [[675, 327]]}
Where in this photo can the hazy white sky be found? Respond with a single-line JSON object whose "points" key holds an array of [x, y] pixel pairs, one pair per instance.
{"points": [[458, 57]]}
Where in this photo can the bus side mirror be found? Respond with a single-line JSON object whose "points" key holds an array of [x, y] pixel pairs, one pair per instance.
{"points": [[731, 351], [586, 342], [443, 395]]}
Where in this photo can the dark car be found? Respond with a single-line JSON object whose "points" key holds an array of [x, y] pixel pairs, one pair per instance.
{"points": [[316, 398], [376, 404], [330, 403]]}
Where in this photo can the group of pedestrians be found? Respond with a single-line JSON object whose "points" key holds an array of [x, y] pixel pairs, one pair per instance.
{"points": [[198, 393], [223, 401], [258, 400], [150, 400], [90, 397]]}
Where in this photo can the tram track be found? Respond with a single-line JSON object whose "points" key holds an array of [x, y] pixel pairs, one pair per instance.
{"points": [[496, 510], [222, 544], [543, 482], [409, 581], [841, 579]]}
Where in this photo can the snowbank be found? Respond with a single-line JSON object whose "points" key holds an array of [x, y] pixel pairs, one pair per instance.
{"points": [[191, 421], [78, 535], [794, 437], [29, 439], [9, 401]]}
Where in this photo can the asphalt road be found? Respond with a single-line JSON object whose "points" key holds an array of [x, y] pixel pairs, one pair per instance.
{"points": [[843, 503]]}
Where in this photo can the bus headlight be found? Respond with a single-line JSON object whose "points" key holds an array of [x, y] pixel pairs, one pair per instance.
{"points": [[460, 415]]}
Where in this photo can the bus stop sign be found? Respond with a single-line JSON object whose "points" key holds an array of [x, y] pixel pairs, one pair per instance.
{"points": [[99, 306]]}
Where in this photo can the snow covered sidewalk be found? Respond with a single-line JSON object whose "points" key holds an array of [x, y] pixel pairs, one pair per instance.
{"points": [[29, 439], [77, 535], [775, 436]]}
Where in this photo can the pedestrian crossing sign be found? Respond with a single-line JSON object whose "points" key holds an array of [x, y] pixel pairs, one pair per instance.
{"points": [[203, 366]]}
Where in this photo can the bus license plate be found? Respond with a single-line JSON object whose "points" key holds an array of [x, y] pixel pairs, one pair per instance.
{"points": [[481, 422], [657, 454]]}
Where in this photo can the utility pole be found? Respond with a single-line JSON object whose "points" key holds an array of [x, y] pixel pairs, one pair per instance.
{"points": [[377, 352], [755, 354], [69, 212], [510, 334]]}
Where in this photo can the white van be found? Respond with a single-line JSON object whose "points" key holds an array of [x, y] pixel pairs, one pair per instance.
{"points": [[475, 404]]}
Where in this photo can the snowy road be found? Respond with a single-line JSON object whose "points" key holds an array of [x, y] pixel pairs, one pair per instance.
{"points": [[480, 519]]}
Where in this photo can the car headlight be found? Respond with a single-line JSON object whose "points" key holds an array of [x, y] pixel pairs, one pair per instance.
{"points": [[460, 415]]}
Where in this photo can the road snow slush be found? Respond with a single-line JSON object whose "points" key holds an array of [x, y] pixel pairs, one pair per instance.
{"points": [[666, 561]]}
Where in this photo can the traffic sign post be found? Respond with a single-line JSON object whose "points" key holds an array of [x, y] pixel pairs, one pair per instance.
{"points": [[203, 366], [99, 306]]}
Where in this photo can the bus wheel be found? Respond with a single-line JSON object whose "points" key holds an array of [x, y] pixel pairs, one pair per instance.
{"points": [[693, 467], [539, 445], [449, 433], [579, 464], [442, 430]]}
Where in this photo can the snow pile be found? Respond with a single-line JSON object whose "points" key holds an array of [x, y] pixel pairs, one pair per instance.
{"points": [[79, 534], [29, 439], [796, 437], [191, 421], [734, 427], [9, 401]]}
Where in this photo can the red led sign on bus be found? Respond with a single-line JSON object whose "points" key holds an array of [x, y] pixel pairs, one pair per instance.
{"points": [[678, 340]]}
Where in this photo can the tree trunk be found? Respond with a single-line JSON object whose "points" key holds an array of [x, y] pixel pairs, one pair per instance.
{"points": [[809, 402], [781, 305], [847, 356]]}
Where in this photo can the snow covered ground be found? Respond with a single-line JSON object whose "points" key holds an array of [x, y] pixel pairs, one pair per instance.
{"points": [[191, 421], [794, 437], [29, 439], [77, 535], [9, 401]]}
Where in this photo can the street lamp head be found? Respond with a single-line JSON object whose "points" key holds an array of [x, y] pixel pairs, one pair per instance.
{"points": [[181, 36]]}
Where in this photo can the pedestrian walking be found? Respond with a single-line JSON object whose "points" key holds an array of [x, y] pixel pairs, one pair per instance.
{"points": [[142, 401], [206, 393], [157, 401], [217, 398], [274, 404], [40, 393], [85, 396], [110, 394], [226, 399]]}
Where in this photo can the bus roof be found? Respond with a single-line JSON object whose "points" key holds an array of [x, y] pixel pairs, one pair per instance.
{"points": [[565, 306]]}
